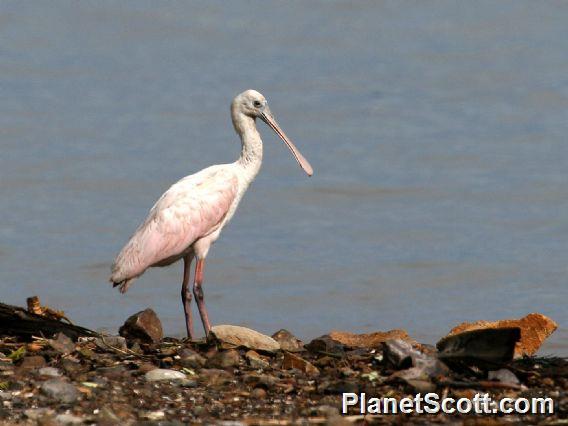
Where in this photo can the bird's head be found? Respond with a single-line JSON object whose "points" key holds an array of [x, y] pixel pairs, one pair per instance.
{"points": [[252, 104]]}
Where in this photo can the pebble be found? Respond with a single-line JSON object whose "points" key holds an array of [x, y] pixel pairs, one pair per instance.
{"points": [[49, 371], [503, 375], [258, 393], [117, 342], [32, 362], [190, 359], [67, 419], [187, 383], [62, 344], [37, 413], [60, 390], [143, 326], [325, 344], [225, 359], [163, 374]]}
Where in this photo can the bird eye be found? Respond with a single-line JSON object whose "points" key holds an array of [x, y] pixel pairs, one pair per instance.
{"points": [[257, 104]]}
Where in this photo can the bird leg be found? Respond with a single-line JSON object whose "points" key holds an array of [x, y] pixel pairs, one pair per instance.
{"points": [[186, 295], [199, 298]]}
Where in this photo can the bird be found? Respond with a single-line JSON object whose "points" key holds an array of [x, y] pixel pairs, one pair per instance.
{"points": [[189, 217]]}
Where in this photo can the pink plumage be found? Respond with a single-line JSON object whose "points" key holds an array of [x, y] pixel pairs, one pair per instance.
{"points": [[189, 216]]}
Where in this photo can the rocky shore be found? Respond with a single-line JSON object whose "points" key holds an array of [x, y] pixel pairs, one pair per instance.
{"points": [[240, 376]]}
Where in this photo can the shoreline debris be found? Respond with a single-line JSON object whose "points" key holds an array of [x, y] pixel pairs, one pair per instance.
{"points": [[244, 377]]}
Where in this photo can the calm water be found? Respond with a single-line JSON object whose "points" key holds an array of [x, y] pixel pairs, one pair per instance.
{"points": [[437, 132]]}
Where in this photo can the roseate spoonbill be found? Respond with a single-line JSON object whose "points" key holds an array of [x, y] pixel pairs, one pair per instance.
{"points": [[189, 216]]}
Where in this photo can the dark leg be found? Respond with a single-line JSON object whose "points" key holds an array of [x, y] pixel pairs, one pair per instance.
{"points": [[198, 293], [186, 295]]}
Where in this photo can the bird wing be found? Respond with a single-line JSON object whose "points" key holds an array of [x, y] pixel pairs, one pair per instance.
{"points": [[190, 209]]}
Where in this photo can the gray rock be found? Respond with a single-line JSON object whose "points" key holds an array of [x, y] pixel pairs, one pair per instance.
{"points": [[326, 411], [117, 342], [399, 353], [62, 344], [163, 374], [241, 336], [143, 326], [186, 383], [415, 365], [67, 419], [49, 371], [60, 390], [479, 347], [504, 376]]}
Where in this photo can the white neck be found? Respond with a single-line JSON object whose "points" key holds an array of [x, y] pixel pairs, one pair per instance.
{"points": [[251, 151]]}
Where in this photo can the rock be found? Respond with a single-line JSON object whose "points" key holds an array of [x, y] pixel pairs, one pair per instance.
{"points": [[225, 359], [288, 342], [155, 415], [535, 328], [68, 419], [294, 361], [242, 336], [480, 346], [258, 393], [38, 413], [340, 387], [421, 386], [159, 374], [62, 344], [215, 377], [142, 327], [414, 365], [256, 380], [370, 340], [398, 353], [503, 375], [256, 361], [49, 371], [113, 372], [107, 416], [60, 390], [117, 342], [326, 345], [190, 359], [71, 367], [187, 383], [144, 367], [32, 362], [326, 411]]}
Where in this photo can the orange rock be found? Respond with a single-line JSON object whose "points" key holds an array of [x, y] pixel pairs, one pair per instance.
{"points": [[294, 361], [369, 340], [535, 328]]}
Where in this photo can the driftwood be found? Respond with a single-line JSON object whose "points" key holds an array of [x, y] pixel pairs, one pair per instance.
{"points": [[18, 322]]}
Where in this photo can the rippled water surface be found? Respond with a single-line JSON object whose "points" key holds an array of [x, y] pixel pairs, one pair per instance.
{"points": [[437, 131]]}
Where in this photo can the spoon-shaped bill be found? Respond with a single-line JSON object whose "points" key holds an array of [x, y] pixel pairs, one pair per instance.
{"points": [[268, 118]]}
